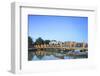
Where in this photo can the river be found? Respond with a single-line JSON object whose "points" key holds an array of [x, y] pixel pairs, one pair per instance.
{"points": [[55, 55]]}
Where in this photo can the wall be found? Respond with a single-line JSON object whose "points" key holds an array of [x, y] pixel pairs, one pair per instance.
{"points": [[5, 33]]}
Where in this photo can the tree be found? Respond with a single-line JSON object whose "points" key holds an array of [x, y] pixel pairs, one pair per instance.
{"points": [[46, 41], [39, 41], [30, 41]]}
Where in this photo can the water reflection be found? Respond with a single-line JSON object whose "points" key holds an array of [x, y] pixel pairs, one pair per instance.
{"points": [[55, 55]]}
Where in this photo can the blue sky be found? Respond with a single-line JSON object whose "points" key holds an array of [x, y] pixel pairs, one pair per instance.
{"points": [[60, 28]]}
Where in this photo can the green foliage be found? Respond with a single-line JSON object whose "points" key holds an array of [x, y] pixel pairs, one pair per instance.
{"points": [[39, 41], [30, 41], [46, 41]]}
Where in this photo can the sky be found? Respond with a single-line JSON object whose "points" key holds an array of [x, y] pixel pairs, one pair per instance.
{"points": [[60, 28]]}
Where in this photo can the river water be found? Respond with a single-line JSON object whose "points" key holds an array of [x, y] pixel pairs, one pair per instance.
{"points": [[51, 55]]}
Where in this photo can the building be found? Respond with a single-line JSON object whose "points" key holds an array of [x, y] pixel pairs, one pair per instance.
{"points": [[53, 42]]}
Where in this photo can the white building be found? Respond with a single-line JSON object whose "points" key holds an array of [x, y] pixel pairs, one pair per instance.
{"points": [[53, 42]]}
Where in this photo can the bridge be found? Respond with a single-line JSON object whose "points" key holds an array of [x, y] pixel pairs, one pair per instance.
{"points": [[60, 47]]}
